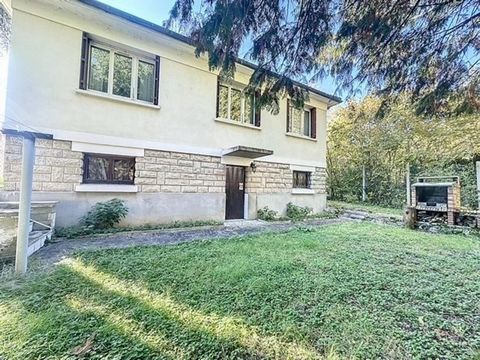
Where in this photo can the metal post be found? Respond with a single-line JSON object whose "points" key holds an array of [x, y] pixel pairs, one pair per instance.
{"points": [[478, 182], [408, 185], [364, 184], [28, 160]]}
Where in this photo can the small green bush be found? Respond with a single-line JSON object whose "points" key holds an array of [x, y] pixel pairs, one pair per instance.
{"points": [[104, 215], [266, 214], [295, 212]]}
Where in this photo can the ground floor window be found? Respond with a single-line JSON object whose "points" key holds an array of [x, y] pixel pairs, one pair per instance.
{"points": [[301, 180], [108, 169]]}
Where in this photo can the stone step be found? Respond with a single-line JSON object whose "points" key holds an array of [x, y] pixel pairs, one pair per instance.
{"points": [[358, 216], [356, 213], [35, 236], [36, 240], [348, 218]]}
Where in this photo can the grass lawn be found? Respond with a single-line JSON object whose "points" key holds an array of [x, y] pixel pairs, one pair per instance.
{"points": [[374, 209], [345, 291]]}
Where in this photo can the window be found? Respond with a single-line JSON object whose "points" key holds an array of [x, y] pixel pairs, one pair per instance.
{"points": [[300, 121], [119, 73], [301, 179], [146, 81], [99, 64], [235, 105], [108, 169]]}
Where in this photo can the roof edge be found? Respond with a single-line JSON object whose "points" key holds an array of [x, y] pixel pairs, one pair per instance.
{"points": [[185, 39]]}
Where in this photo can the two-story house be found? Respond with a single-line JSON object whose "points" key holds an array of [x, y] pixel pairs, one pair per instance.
{"points": [[135, 115]]}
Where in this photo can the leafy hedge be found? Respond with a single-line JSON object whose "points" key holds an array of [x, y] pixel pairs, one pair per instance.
{"points": [[385, 143]]}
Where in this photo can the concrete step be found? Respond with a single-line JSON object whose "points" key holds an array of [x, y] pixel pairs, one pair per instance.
{"points": [[36, 240], [356, 213], [36, 236], [356, 217]]}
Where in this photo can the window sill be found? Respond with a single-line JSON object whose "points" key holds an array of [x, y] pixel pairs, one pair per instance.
{"points": [[116, 99], [303, 191], [249, 126], [107, 188], [300, 137]]}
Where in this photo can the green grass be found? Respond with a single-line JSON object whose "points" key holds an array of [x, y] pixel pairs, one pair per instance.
{"points": [[374, 209], [345, 291]]}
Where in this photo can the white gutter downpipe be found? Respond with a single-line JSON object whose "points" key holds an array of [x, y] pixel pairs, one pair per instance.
{"points": [[28, 160]]}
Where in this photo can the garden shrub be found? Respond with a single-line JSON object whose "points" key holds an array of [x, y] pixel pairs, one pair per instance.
{"points": [[266, 214], [295, 212], [104, 215]]}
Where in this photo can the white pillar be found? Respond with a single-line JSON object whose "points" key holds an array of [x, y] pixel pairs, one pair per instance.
{"points": [[28, 160], [478, 182]]}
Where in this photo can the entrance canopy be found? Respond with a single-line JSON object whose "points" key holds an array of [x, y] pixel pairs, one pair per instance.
{"points": [[246, 152]]}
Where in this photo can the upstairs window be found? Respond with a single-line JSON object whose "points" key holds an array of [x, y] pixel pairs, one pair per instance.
{"points": [[119, 73], [108, 169], [234, 104], [301, 121], [301, 180]]}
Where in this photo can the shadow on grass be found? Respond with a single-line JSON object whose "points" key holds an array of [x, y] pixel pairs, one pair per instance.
{"points": [[128, 321], [371, 291]]}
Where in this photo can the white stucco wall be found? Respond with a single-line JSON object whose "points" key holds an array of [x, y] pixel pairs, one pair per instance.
{"points": [[44, 76]]}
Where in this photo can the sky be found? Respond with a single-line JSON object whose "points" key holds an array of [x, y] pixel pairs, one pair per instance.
{"points": [[158, 11]]}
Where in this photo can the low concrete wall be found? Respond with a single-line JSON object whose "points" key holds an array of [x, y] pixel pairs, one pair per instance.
{"points": [[144, 208]]}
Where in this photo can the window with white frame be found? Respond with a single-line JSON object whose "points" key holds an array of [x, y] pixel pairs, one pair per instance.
{"points": [[235, 105], [300, 121], [119, 73]]}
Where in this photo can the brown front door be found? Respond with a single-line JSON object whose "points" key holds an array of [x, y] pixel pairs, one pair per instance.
{"points": [[235, 191]]}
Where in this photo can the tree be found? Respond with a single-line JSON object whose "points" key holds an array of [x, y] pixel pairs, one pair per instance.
{"points": [[5, 29], [441, 145], [429, 48]]}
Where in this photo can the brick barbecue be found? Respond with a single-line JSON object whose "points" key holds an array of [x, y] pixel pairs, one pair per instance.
{"points": [[437, 198]]}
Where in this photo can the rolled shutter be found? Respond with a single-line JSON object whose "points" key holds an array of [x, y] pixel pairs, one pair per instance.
{"points": [[258, 110], [313, 115], [289, 128], [84, 62], [157, 80]]}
